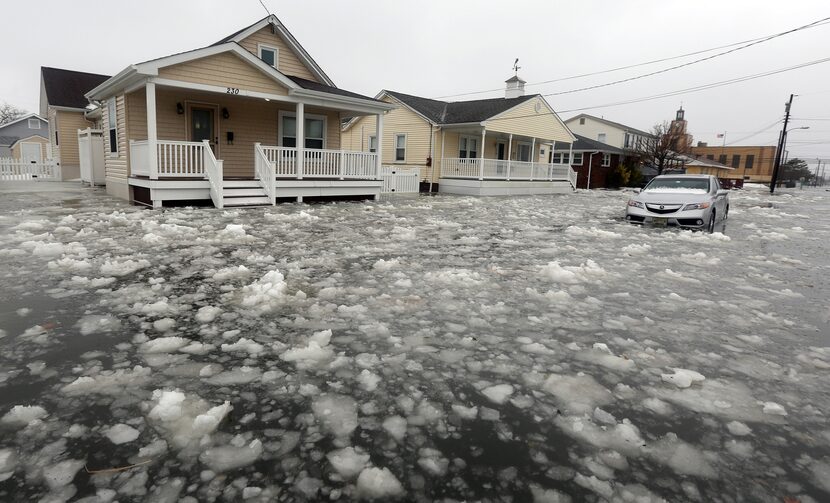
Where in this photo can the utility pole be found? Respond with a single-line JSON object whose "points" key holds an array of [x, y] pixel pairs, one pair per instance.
{"points": [[782, 140]]}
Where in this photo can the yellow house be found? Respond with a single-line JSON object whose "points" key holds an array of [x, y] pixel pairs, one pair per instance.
{"points": [[222, 123], [479, 147]]}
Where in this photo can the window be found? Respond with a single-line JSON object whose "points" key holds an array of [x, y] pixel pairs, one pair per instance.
{"points": [[270, 55], [557, 158], [582, 121], [736, 161], [601, 137], [34, 124], [577, 159], [467, 147], [523, 153], [722, 158], [56, 139], [373, 143], [750, 162], [711, 157], [315, 128], [400, 147], [111, 125], [606, 160]]}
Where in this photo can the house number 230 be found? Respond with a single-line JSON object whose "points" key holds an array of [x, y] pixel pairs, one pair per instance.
{"points": [[232, 90]]}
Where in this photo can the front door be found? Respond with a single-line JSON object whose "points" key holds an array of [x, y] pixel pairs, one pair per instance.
{"points": [[501, 151], [202, 124]]}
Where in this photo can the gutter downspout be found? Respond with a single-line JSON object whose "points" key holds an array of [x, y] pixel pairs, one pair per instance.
{"points": [[431, 156], [590, 165]]}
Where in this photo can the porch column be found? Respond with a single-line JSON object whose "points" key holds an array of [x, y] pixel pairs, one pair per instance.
{"points": [[481, 155], [379, 142], [570, 159], [300, 135], [509, 153], [532, 155], [443, 142], [152, 135], [552, 154]]}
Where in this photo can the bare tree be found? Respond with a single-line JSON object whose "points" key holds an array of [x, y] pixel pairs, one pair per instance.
{"points": [[666, 148], [9, 113]]}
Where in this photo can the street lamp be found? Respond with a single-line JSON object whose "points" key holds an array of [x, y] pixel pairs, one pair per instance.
{"points": [[786, 152]]}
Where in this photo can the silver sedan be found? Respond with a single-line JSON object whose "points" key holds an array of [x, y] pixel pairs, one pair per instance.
{"points": [[691, 201]]}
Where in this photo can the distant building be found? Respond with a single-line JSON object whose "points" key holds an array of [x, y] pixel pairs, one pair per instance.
{"points": [[609, 132], [679, 139], [591, 160], [23, 131], [752, 163]]}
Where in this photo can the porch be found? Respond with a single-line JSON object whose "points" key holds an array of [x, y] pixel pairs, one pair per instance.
{"points": [[190, 144], [491, 162]]}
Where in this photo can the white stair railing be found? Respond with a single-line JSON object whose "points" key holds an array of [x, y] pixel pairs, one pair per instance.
{"points": [[265, 171], [214, 173]]}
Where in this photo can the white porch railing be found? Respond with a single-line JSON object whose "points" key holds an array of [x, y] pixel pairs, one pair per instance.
{"points": [[265, 171], [497, 169], [12, 169], [179, 159], [214, 173], [321, 163]]}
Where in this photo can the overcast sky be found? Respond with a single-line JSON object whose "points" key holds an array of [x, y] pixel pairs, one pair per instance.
{"points": [[437, 48]]}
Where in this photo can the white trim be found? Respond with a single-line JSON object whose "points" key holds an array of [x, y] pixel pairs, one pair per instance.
{"points": [[260, 47], [606, 156], [369, 143], [112, 117], [29, 123], [289, 39], [343, 99], [39, 150], [581, 159], [550, 109], [19, 140], [286, 113], [27, 116], [395, 147]]}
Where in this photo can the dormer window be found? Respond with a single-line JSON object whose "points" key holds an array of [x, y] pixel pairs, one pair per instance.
{"points": [[270, 55]]}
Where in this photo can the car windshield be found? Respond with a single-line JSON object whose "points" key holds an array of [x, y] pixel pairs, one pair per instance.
{"points": [[695, 185]]}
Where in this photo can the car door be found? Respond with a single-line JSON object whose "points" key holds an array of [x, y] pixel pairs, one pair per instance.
{"points": [[718, 198]]}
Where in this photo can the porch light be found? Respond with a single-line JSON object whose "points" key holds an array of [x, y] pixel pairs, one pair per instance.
{"points": [[179, 108], [225, 113], [267, 99]]}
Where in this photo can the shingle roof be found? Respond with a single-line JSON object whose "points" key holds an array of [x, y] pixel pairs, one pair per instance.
{"points": [[237, 32], [66, 88], [585, 144], [612, 123], [8, 140], [458, 112], [316, 86]]}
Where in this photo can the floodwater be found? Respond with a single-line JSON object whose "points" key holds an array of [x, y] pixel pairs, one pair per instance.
{"points": [[425, 348]]}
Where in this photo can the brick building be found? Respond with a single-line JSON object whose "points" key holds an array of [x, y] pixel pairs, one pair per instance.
{"points": [[753, 164], [590, 158]]}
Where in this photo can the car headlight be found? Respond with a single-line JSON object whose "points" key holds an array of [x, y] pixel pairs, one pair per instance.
{"points": [[636, 204], [696, 206]]}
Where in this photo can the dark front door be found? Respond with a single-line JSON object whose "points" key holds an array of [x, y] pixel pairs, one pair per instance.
{"points": [[201, 125], [500, 151]]}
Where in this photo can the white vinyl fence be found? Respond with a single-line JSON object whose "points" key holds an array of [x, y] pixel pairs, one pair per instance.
{"points": [[17, 170], [400, 180]]}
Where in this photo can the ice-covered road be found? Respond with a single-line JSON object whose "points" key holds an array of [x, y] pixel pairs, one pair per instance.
{"points": [[445, 348]]}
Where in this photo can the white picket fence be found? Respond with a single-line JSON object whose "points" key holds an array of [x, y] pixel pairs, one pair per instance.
{"points": [[400, 180], [20, 171]]}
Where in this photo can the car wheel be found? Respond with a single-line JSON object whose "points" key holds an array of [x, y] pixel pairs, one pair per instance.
{"points": [[711, 227]]}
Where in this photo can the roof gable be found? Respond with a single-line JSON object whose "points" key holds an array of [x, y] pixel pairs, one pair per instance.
{"points": [[22, 118], [66, 88], [610, 123], [247, 37], [457, 112], [226, 69], [585, 144]]}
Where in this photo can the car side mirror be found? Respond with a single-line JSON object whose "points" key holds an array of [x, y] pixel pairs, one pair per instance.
{"points": [[723, 192], [637, 191]]}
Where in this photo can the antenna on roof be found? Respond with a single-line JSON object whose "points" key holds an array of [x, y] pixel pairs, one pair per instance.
{"points": [[264, 7], [516, 67]]}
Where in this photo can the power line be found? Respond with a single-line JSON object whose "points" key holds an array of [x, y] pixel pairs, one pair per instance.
{"points": [[756, 133], [748, 43]]}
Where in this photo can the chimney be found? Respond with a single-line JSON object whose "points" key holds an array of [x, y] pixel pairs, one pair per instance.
{"points": [[702, 144], [515, 87]]}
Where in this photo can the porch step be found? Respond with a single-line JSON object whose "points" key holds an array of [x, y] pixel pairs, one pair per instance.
{"points": [[240, 183], [246, 201], [243, 191]]}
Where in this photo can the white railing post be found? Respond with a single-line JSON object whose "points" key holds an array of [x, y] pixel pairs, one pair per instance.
{"points": [[570, 160], [379, 145], [532, 155], [300, 139], [481, 156], [509, 155], [152, 136], [340, 164], [552, 155]]}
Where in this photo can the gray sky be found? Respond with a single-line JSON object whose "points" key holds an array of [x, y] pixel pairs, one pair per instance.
{"points": [[437, 48]]}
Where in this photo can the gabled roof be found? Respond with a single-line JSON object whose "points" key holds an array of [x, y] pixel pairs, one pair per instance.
{"points": [[6, 141], [292, 42], [611, 123], [66, 88], [458, 112], [22, 118], [19, 140], [585, 144]]}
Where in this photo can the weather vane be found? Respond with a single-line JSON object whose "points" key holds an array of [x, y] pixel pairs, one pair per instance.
{"points": [[516, 67]]}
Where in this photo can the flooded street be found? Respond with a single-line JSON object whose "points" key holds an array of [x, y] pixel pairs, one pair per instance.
{"points": [[425, 348]]}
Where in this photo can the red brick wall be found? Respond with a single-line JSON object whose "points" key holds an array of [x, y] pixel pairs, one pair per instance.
{"points": [[598, 172]]}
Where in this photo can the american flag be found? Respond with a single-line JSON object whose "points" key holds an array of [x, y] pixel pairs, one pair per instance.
{"points": [[720, 135]]}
